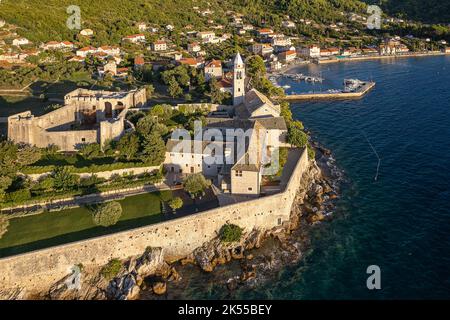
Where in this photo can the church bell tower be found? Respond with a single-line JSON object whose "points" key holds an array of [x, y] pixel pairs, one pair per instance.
{"points": [[238, 81]]}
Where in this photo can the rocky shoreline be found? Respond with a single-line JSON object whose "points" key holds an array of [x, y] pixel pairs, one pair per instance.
{"points": [[251, 261]]}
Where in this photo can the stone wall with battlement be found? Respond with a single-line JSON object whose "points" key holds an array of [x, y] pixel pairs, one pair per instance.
{"points": [[87, 117], [37, 271]]}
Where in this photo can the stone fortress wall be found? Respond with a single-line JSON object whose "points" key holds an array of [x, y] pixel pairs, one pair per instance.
{"points": [[87, 117], [37, 271]]}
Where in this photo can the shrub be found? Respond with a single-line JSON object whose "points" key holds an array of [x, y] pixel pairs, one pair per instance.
{"points": [[176, 203], [230, 233], [111, 269], [107, 214], [4, 224], [20, 196], [195, 184], [311, 152]]}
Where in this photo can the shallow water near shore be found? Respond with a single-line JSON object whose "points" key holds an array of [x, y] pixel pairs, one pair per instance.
{"points": [[400, 222]]}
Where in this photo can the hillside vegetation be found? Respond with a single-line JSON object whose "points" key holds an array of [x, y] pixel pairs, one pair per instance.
{"points": [[432, 11], [113, 19]]}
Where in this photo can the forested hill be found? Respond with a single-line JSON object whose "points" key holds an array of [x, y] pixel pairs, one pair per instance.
{"points": [[112, 19], [432, 11]]}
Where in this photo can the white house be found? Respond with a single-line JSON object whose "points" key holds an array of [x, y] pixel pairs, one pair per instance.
{"points": [[110, 50], [159, 45], [135, 38], [310, 51], [213, 69], [20, 42], [281, 41], [262, 49], [55, 45], [194, 47], [84, 52], [142, 26], [265, 32], [288, 56], [87, 32], [206, 36], [288, 24], [328, 52]]}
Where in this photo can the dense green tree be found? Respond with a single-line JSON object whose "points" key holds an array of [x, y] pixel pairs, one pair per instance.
{"points": [[128, 146], [27, 155], [230, 233], [149, 90], [91, 150], [216, 95], [174, 89], [5, 183], [176, 203], [8, 156], [196, 184], [64, 179], [296, 135], [150, 124], [106, 214], [45, 184], [154, 150]]}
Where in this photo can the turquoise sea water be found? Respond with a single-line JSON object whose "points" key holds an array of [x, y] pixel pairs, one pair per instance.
{"points": [[401, 222]]}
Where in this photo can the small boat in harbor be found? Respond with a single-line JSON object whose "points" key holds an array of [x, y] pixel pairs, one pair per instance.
{"points": [[352, 85]]}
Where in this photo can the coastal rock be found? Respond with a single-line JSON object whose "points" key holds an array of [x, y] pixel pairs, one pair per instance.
{"points": [[150, 262], [66, 289], [237, 253], [332, 196], [232, 284], [123, 288], [15, 294], [174, 275], [159, 288], [317, 217], [254, 239], [190, 259], [204, 257]]}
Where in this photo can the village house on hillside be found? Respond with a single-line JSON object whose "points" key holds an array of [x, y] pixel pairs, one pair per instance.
{"points": [[311, 51], [87, 32], [159, 45], [392, 47], [206, 36], [135, 38], [288, 56], [20, 42], [84, 52], [213, 69], [56, 45]]}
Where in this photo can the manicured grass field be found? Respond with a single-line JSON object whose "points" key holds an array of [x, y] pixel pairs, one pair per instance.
{"points": [[54, 228]]}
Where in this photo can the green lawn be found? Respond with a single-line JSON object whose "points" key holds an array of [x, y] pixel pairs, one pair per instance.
{"points": [[54, 228]]}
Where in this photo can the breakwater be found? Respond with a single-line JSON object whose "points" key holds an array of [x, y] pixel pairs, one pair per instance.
{"points": [[335, 95]]}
